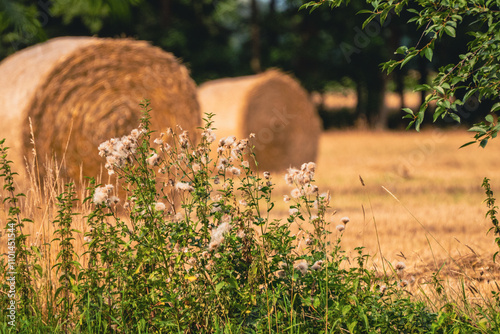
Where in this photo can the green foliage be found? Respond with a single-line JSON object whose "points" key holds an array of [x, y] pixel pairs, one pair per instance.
{"points": [[194, 250], [473, 76], [492, 212]]}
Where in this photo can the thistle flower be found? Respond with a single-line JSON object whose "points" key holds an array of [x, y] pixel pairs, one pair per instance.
{"points": [[345, 220], [340, 228], [196, 167], [295, 193], [218, 235], [317, 265], [183, 186], [101, 194], [234, 171], [400, 266], [302, 267], [153, 160], [229, 141], [281, 273], [113, 200], [245, 164], [209, 135], [159, 206]]}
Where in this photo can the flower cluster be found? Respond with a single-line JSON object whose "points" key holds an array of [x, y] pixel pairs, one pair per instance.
{"points": [[101, 195], [119, 151], [218, 235], [302, 179]]}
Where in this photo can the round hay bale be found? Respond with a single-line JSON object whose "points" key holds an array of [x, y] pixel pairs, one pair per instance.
{"points": [[274, 107], [91, 87]]}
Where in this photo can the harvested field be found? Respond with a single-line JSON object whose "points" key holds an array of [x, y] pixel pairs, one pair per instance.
{"points": [[437, 215]]}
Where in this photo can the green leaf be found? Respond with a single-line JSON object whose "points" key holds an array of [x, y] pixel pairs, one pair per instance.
{"points": [[450, 31], [489, 118], [467, 144], [496, 107], [428, 53]]}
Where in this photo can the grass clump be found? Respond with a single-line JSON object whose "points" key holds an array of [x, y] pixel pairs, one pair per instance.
{"points": [[184, 242]]}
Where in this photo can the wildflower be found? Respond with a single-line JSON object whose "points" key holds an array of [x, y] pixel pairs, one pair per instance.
{"points": [[209, 135], [196, 167], [113, 200], [241, 233], [135, 133], [184, 139], [311, 167], [218, 235], [235, 171], [310, 189], [229, 141], [340, 228], [267, 175], [159, 206], [293, 211], [317, 265], [309, 241], [245, 164], [159, 141], [87, 239], [313, 217], [400, 266], [153, 160], [216, 180], [403, 284], [295, 193], [100, 195], [345, 220], [382, 288], [252, 135], [302, 267], [243, 202], [183, 186], [281, 273], [286, 198], [178, 217]]}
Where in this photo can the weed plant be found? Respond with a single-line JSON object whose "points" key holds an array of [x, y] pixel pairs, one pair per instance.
{"points": [[184, 243]]}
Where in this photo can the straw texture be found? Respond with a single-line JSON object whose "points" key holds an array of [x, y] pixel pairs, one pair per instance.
{"points": [[92, 88], [272, 105]]}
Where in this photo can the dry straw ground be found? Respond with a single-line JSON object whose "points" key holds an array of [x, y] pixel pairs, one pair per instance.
{"points": [[437, 214]]}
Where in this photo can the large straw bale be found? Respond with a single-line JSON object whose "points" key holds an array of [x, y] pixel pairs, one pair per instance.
{"points": [[92, 88], [274, 107]]}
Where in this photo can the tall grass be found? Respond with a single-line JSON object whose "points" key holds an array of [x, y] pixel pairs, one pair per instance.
{"points": [[186, 242]]}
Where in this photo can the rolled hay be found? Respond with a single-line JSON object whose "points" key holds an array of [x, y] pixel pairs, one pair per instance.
{"points": [[274, 107], [81, 91]]}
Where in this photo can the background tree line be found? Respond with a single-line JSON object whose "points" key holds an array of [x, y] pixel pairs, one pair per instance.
{"points": [[223, 38]]}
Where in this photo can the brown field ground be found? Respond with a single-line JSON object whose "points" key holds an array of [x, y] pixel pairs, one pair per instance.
{"points": [[435, 214]]}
